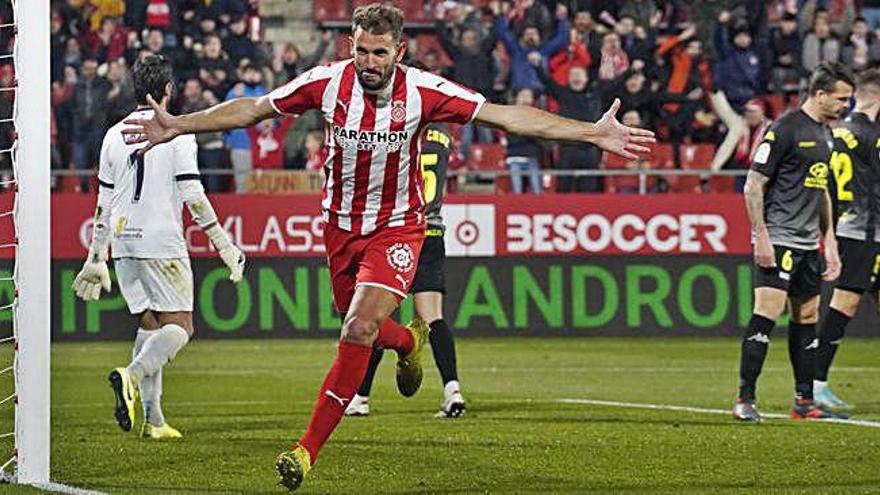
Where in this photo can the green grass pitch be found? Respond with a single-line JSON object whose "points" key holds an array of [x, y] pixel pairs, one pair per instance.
{"points": [[239, 403]]}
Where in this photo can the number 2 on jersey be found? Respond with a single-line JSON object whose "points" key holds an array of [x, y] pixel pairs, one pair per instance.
{"points": [[428, 176], [841, 165], [136, 159]]}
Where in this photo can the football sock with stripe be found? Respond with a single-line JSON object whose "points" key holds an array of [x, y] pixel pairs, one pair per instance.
{"points": [[339, 386], [802, 346], [830, 335], [754, 352]]}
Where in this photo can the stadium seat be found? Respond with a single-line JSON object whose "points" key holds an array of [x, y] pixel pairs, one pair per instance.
{"points": [[490, 157], [693, 157], [623, 183]]}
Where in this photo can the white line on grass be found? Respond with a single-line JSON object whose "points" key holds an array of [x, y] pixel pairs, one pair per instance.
{"points": [[62, 488], [705, 410]]}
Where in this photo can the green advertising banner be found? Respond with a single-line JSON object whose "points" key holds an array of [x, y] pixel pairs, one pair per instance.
{"points": [[537, 296]]}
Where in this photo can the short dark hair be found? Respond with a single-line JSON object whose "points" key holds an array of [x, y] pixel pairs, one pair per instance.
{"points": [[826, 75], [868, 77], [150, 75], [378, 18]]}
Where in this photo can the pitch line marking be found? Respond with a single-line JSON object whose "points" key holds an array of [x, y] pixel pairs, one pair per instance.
{"points": [[66, 489], [705, 410]]}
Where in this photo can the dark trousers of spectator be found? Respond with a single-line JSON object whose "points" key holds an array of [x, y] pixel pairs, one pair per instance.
{"points": [[679, 127], [471, 133], [578, 158], [217, 158], [86, 149]]}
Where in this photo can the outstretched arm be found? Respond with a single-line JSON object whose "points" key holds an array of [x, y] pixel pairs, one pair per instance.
{"points": [[232, 114], [607, 133]]}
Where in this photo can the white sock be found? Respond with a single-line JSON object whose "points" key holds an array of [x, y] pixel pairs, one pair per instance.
{"points": [[450, 388], [150, 386], [819, 386], [139, 341], [158, 350]]}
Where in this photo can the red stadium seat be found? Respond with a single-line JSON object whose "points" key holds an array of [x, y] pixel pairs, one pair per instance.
{"points": [[490, 157], [693, 157], [625, 183], [662, 156]]}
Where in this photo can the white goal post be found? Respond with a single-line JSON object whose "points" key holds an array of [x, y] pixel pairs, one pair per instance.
{"points": [[32, 219]]}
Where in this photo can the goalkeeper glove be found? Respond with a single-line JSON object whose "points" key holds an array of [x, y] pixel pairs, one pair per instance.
{"points": [[93, 276], [229, 252]]}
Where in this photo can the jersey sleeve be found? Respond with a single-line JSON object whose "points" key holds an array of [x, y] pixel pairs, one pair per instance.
{"points": [[446, 101], [105, 165], [302, 93], [186, 163], [772, 151]]}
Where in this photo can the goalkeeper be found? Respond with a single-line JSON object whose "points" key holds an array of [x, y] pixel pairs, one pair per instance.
{"points": [[139, 213]]}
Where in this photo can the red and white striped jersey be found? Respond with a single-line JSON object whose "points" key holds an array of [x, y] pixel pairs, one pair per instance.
{"points": [[372, 176]]}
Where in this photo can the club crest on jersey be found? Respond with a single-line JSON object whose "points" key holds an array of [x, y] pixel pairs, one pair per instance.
{"points": [[400, 256], [398, 111]]}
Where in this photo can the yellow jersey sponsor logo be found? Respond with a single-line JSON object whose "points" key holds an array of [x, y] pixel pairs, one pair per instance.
{"points": [[120, 225], [818, 176], [807, 144], [847, 136], [437, 137], [770, 136]]}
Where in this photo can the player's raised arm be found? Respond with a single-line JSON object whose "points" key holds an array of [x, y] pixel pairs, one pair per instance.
{"points": [[607, 133], [232, 114]]}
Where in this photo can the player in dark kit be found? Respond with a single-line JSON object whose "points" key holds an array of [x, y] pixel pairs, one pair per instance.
{"points": [[790, 212], [429, 284], [856, 166]]}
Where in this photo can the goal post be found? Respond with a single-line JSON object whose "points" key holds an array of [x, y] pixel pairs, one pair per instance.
{"points": [[32, 218]]}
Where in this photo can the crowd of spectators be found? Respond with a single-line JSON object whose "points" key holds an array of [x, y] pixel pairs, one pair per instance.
{"points": [[709, 72]]}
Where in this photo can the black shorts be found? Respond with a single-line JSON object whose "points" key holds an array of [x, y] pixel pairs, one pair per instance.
{"points": [[797, 271], [861, 261], [431, 273]]}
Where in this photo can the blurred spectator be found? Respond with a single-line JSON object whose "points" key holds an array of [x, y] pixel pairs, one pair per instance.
{"points": [[291, 63], [756, 125], [238, 140], [819, 45], [644, 13], [90, 117], [688, 75], [102, 9], [238, 45], [58, 42], [108, 42], [267, 138], [161, 14], [522, 74], [317, 154], [613, 60], [121, 100], [862, 49], [588, 34], [871, 12], [473, 66], [214, 67], [523, 153], [576, 101], [838, 14], [212, 153], [635, 40], [737, 80], [73, 53], [785, 53]]}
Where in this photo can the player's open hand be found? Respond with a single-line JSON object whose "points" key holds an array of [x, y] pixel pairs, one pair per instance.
{"points": [[158, 129], [89, 281], [611, 135], [832, 261]]}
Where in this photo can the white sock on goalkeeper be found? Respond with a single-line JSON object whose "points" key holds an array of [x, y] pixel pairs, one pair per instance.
{"points": [[159, 349], [150, 386]]}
